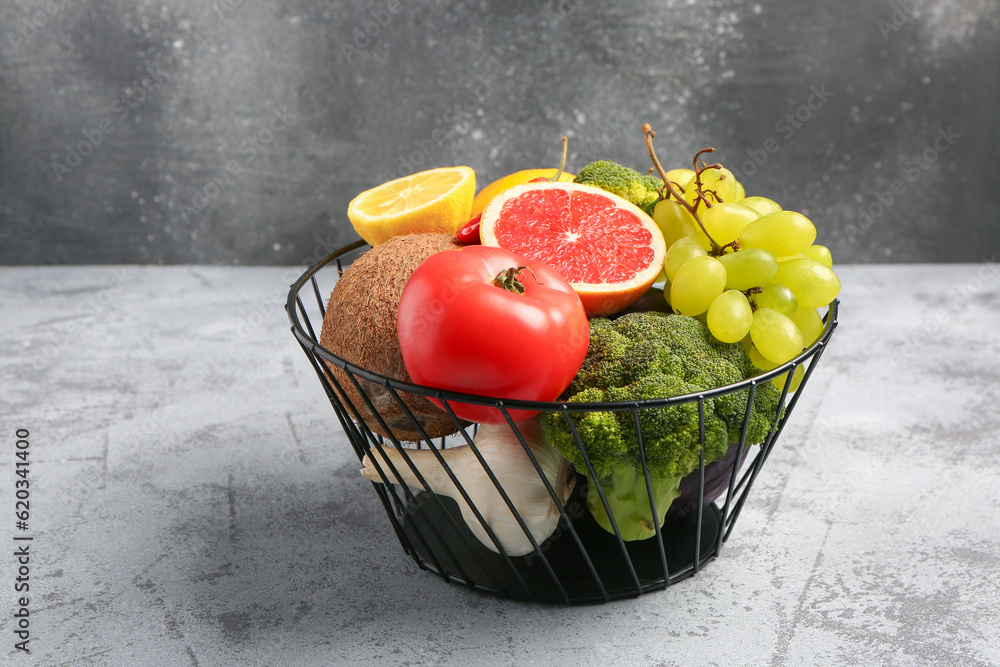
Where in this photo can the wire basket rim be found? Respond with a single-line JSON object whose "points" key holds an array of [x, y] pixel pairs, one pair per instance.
{"points": [[307, 341]]}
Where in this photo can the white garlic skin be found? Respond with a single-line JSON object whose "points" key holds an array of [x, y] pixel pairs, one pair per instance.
{"points": [[503, 453]]}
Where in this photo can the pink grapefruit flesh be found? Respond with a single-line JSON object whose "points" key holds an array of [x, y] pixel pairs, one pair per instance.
{"points": [[607, 248]]}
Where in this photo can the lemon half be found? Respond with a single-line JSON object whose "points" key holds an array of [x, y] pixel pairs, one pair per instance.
{"points": [[436, 200]]}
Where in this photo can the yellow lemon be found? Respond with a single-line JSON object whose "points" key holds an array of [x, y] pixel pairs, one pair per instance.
{"points": [[437, 200], [517, 178]]}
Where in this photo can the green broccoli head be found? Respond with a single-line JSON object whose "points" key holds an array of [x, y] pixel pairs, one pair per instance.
{"points": [[651, 355], [641, 190]]}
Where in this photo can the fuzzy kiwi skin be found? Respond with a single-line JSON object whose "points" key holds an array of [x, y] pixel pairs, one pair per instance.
{"points": [[360, 327]]}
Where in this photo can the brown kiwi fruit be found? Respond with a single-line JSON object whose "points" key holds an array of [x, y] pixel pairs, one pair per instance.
{"points": [[360, 327]]}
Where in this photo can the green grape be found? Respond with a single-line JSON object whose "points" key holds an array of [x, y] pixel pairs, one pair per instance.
{"points": [[718, 185], [782, 233], [724, 222], [778, 297], [814, 284], [819, 253], [756, 358], [680, 176], [809, 323], [741, 194], [730, 316], [775, 336], [797, 255], [674, 221], [779, 382], [679, 253], [696, 284], [748, 268], [762, 205]]}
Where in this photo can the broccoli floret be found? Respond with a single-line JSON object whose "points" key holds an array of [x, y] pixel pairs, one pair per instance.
{"points": [[641, 190], [650, 355]]}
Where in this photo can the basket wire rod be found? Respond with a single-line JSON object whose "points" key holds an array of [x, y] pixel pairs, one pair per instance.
{"points": [[414, 502], [394, 508], [406, 489], [781, 414], [742, 487], [319, 297], [314, 269], [465, 496], [701, 486], [795, 398], [517, 516], [356, 427], [362, 436], [593, 479], [340, 268], [305, 316], [355, 438], [652, 500], [746, 474], [461, 489], [831, 324], [565, 519], [475, 450], [741, 445], [758, 461], [345, 422], [408, 548], [780, 419], [421, 479], [765, 450]]}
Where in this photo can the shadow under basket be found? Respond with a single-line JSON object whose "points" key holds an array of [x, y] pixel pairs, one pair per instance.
{"points": [[579, 562]]}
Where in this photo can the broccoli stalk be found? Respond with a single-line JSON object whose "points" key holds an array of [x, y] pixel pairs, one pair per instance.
{"points": [[650, 355], [643, 191], [628, 498]]}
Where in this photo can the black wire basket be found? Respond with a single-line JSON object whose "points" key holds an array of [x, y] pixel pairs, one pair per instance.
{"points": [[579, 561]]}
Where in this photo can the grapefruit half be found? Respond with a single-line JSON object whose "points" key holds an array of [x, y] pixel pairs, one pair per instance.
{"points": [[606, 247]]}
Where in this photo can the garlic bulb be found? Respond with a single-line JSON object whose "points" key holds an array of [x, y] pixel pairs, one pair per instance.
{"points": [[503, 453]]}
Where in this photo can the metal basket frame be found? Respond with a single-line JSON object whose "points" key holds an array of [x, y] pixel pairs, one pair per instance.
{"points": [[432, 533]]}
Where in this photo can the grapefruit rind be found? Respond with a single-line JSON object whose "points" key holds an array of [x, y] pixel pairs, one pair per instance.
{"points": [[600, 297]]}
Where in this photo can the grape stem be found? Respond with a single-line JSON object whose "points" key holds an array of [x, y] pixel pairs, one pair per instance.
{"points": [[649, 134], [697, 177]]}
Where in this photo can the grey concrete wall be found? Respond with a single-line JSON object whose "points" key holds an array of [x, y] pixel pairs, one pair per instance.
{"points": [[236, 131]]}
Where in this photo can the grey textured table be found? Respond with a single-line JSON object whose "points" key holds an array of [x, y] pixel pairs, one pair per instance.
{"points": [[194, 501]]}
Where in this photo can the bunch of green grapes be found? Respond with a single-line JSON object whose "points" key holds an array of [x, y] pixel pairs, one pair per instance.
{"points": [[749, 268]]}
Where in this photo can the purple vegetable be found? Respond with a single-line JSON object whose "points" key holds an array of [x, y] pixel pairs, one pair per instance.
{"points": [[717, 476]]}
